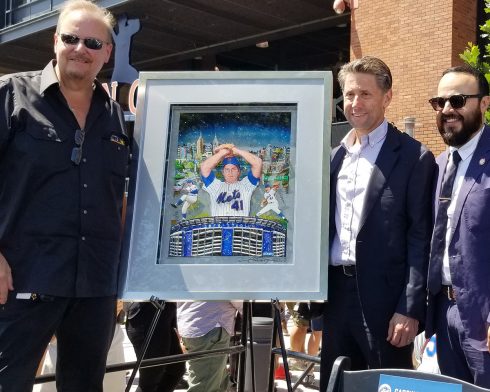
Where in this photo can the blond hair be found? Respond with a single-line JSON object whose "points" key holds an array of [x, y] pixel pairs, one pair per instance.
{"points": [[89, 6]]}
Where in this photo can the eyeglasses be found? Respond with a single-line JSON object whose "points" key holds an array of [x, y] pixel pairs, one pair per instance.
{"points": [[90, 43], [456, 101], [76, 153]]}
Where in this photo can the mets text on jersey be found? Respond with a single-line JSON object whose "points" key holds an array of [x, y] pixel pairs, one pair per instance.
{"points": [[230, 199]]}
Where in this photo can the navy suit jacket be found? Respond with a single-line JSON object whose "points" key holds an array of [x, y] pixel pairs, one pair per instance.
{"points": [[469, 246], [392, 250]]}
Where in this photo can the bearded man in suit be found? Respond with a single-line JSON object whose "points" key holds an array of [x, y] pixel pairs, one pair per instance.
{"points": [[459, 272]]}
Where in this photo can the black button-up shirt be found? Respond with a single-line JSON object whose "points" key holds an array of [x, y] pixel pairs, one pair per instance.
{"points": [[60, 223]]}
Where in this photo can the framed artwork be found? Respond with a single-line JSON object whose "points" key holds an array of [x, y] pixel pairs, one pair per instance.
{"points": [[228, 195]]}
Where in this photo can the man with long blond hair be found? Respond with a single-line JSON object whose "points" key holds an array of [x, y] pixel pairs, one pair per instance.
{"points": [[64, 156]]}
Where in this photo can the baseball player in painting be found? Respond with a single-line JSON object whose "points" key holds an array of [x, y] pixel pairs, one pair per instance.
{"points": [[270, 203], [231, 197], [188, 198]]}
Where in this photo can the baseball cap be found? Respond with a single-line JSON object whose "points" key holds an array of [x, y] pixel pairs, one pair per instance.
{"points": [[231, 161]]}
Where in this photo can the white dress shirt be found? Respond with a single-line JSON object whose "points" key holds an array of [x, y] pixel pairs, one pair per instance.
{"points": [[466, 152], [352, 183]]}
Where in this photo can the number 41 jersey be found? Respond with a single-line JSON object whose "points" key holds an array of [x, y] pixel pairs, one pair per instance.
{"points": [[230, 199]]}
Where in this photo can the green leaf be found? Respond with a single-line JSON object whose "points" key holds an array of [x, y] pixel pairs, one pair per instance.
{"points": [[472, 56]]}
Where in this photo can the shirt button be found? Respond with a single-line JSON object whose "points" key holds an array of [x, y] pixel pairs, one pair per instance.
{"points": [[83, 238], [84, 160], [85, 185], [85, 212]]}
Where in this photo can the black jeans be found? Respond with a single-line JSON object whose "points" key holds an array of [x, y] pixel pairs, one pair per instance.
{"points": [[84, 328]]}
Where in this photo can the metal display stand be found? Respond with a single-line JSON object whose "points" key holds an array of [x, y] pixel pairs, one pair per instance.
{"points": [[277, 331], [246, 330], [160, 305], [285, 353]]}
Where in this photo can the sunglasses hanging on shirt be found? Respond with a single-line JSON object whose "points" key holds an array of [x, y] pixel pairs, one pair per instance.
{"points": [[76, 153]]}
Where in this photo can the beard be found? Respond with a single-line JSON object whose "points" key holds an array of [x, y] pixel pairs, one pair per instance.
{"points": [[453, 136], [73, 75]]}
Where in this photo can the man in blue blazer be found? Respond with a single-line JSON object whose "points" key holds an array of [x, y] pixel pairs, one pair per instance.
{"points": [[459, 272], [380, 229]]}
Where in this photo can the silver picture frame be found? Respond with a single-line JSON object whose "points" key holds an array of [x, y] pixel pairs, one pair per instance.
{"points": [[282, 116]]}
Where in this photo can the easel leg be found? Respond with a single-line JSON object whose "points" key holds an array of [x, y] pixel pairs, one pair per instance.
{"points": [[252, 357], [160, 305], [243, 354], [272, 368], [303, 376], [277, 318], [246, 329]]}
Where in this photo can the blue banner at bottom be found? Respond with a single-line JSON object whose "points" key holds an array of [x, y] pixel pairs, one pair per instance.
{"points": [[405, 384]]}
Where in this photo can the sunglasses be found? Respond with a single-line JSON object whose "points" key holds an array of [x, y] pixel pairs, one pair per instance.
{"points": [[76, 153], [456, 101], [90, 43]]}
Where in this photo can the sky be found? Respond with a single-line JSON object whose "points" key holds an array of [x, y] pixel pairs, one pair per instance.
{"points": [[244, 129]]}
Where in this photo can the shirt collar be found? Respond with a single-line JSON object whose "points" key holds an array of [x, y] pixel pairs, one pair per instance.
{"points": [[49, 78], [374, 137], [467, 149]]}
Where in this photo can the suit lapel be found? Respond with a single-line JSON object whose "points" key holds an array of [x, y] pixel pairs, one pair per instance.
{"points": [[442, 163], [478, 163], [388, 156], [338, 155]]}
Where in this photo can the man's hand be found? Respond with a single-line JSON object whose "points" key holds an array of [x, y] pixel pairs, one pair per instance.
{"points": [[228, 146], [402, 330], [6, 282], [340, 5]]}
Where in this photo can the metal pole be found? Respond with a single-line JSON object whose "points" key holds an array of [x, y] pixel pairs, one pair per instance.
{"points": [[160, 305], [277, 317], [243, 355]]}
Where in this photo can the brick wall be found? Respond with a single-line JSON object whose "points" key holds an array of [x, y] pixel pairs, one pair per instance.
{"points": [[418, 39]]}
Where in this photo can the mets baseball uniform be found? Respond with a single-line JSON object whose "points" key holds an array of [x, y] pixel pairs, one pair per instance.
{"points": [[230, 199], [189, 198], [272, 203]]}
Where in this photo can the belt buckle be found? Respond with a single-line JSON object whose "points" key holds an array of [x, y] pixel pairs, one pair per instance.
{"points": [[345, 270], [450, 293]]}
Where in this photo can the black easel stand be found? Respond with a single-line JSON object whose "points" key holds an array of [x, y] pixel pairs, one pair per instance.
{"points": [[246, 330], [250, 331], [278, 331], [160, 305]]}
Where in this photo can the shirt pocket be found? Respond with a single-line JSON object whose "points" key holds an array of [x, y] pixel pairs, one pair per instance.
{"points": [[40, 144], [116, 153]]}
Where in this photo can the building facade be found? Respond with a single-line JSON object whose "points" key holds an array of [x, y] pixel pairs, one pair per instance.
{"points": [[418, 39]]}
